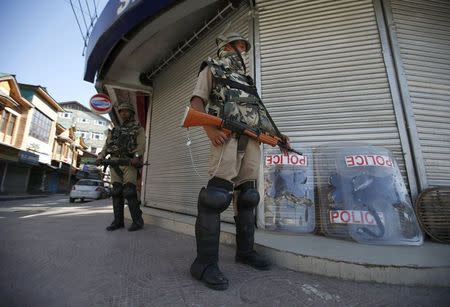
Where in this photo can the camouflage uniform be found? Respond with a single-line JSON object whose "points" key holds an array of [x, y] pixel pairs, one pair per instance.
{"points": [[230, 94], [125, 141]]}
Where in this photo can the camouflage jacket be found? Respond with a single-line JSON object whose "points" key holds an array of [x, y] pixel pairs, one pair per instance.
{"points": [[123, 140], [234, 96]]}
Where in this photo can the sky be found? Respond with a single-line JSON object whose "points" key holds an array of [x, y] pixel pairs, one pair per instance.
{"points": [[41, 44]]}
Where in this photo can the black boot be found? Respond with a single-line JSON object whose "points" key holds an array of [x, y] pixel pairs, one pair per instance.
{"points": [[245, 234], [118, 214], [205, 268], [211, 202], [247, 200], [130, 194]]}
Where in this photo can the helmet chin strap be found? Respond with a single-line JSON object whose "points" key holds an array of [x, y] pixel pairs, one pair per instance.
{"points": [[233, 45]]}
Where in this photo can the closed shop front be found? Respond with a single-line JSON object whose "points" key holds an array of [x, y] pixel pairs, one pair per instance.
{"points": [[16, 178], [422, 30], [172, 182], [323, 76]]}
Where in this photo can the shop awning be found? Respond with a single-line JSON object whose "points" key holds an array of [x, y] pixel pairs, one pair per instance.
{"points": [[116, 20]]}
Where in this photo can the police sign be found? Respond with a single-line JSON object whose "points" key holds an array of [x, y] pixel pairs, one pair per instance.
{"points": [[100, 104]]}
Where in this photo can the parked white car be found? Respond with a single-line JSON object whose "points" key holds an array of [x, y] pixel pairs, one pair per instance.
{"points": [[88, 189]]}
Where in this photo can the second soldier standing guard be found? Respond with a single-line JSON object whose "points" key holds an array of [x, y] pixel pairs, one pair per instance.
{"points": [[225, 90], [125, 141]]}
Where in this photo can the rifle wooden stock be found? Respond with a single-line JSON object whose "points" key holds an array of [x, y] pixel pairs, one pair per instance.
{"points": [[196, 118]]}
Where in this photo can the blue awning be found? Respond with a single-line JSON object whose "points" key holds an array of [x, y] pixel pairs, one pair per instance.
{"points": [[28, 157], [116, 20]]}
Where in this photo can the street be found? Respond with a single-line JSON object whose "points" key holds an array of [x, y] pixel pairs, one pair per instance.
{"points": [[53, 253]]}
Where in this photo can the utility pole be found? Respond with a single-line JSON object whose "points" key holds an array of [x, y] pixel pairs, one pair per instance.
{"points": [[72, 147]]}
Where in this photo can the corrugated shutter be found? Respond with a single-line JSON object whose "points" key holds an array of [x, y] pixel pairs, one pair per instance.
{"points": [[423, 32], [323, 76], [171, 181]]}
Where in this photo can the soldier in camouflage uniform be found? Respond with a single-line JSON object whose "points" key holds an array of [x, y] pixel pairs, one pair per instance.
{"points": [[225, 89], [125, 141]]}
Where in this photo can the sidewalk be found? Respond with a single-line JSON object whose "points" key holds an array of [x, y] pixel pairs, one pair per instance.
{"points": [[63, 256], [22, 196], [426, 265]]}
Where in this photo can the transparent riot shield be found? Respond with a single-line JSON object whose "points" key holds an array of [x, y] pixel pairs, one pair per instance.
{"points": [[362, 195], [289, 191]]}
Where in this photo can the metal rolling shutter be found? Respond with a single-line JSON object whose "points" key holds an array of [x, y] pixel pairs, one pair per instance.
{"points": [[423, 32], [171, 181], [323, 76]]}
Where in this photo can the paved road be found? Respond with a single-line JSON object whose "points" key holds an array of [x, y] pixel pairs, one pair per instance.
{"points": [[53, 253]]}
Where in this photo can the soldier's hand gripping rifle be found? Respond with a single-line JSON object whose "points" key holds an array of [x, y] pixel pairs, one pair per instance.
{"points": [[196, 118]]}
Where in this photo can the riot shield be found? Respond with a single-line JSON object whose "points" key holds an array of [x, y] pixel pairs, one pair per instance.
{"points": [[362, 196], [289, 191]]}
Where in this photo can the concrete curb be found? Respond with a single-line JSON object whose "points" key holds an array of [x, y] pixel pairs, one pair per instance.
{"points": [[426, 265], [7, 198]]}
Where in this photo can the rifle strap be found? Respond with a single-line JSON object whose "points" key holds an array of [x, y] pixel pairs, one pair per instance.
{"points": [[270, 118], [252, 91], [233, 84]]}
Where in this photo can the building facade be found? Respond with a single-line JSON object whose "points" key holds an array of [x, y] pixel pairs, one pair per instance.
{"points": [[16, 161], [66, 155], [41, 135], [91, 127], [36, 154], [369, 71]]}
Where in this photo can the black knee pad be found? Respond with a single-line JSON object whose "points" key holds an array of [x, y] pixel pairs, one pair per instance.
{"points": [[248, 197], [216, 196], [129, 190], [117, 189]]}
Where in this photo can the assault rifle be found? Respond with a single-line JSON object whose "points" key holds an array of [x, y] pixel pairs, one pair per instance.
{"points": [[117, 162], [196, 118]]}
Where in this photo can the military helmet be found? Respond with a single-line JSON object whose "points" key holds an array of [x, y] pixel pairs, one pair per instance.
{"points": [[126, 106], [229, 37]]}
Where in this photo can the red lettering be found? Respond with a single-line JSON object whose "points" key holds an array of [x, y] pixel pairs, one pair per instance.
{"points": [[355, 220], [349, 160], [380, 160], [342, 216], [389, 162], [269, 160], [333, 216], [294, 159], [302, 160], [276, 159], [361, 160], [369, 218]]}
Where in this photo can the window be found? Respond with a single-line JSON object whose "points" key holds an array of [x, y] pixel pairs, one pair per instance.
{"points": [[93, 149], [11, 123], [7, 122], [99, 122], [90, 183], [97, 136], [67, 115], [40, 126], [83, 120], [85, 134], [58, 148], [3, 120]]}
